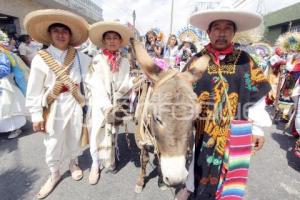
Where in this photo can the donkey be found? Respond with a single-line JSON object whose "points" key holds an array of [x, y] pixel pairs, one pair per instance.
{"points": [[166, 117]]}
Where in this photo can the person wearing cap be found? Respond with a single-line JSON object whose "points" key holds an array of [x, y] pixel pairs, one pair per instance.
{"points": [[54, 93], [232, 87], [109, 83]]}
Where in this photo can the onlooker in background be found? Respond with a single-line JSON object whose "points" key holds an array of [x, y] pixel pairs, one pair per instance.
{"points": [[12, 46], [186, 50], [171, 50], [27, 49], [152, 45]]}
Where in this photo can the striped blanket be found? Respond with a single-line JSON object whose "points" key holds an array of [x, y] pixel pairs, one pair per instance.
{"points": [[234, 175]]}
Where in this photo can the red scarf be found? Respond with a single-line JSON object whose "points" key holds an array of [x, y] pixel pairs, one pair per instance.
{"points": [[217, 53], [113, 59]]}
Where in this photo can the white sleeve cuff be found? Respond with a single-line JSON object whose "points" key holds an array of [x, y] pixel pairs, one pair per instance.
{"points": [[259, 115], [256, 130], [37, 117]]}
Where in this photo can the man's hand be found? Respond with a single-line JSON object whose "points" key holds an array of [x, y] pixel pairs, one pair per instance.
{"points": [[258, 142], [109, 115], [38, 126]]}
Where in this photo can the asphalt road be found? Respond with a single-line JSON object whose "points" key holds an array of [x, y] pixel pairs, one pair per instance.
{"points": [[274, 172]]}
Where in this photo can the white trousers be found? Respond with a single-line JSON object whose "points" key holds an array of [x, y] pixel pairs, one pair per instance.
{"points": [[103, 145], [62, 144], [297, 118]]}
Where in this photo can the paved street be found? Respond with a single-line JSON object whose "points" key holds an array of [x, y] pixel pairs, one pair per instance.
{"points": [[274, 172]]}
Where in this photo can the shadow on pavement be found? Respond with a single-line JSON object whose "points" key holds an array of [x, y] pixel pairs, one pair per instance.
{"points": [[128, 151], [17, 183], [287, 143], [10, 145]]}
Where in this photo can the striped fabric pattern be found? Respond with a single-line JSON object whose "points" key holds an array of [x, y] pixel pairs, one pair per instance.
{"points": [[62, 76], [234, 175]]}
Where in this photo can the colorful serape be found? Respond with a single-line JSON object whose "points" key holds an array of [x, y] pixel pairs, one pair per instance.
{"points": [[234, 175]]}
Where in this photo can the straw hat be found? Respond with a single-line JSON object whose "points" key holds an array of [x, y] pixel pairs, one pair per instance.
{"points": [[37, 23], [243, 20], [98, 29]]}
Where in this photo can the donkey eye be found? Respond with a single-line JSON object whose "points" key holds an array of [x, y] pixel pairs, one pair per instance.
{"points": [[158, 120]]}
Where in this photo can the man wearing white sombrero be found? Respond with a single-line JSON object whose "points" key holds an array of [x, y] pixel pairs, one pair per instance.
{"points": [[55, 88], [233, 87], [109, 81]]}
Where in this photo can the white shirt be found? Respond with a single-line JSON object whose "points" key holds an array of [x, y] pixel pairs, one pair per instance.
{"points": [[42, 79], [28, 51]]}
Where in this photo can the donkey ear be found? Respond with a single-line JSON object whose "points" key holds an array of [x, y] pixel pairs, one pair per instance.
{"points": [[198, 66], [147, 64]]}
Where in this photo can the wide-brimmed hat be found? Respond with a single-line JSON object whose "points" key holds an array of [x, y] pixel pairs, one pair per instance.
{"points": [[37, 23], [244, 20], [98, 29]]}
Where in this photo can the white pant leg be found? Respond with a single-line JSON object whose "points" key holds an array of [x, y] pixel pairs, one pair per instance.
{"points": [[63, 142], [54, 142], [94, 148], [72, 139], [297, 118], [190, 182]]}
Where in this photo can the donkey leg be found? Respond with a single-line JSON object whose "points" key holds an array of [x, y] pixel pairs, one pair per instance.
{"points": [[144, 157]]}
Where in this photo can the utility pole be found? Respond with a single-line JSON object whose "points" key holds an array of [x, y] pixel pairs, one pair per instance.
{"points": [[171, 24]]}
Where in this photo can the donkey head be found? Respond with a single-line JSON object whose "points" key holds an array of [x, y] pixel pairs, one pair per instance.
{"points": [[172, 109]]}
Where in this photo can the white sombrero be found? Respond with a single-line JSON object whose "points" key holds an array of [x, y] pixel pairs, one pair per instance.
{"points": [[98, 29], [243, 20], [37, 22]]}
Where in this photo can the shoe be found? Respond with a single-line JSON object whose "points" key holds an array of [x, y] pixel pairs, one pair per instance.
{"points": [[48, 187], [183, 194], [94, 175], [14, 134], [76, 172]]}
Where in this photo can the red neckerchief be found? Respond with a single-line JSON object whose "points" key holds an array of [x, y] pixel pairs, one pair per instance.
{"points": [[217, 53], [112, 59]]}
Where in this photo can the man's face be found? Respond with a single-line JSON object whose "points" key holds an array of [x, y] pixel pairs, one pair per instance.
{"points": [[112, 41], [60, 37], [221, 33]]}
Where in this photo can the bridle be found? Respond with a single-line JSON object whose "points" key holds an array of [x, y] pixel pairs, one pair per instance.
{"points": [[147, 121]]}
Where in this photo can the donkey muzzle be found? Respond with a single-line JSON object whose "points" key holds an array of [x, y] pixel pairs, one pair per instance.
{"points": [[173, 170]]}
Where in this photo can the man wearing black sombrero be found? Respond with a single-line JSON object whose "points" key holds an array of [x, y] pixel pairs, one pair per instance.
{"points": [[55, 96], [232, 88]]}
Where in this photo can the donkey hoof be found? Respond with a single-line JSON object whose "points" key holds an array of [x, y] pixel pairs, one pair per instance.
{"points": [[138, 189], [162, 186]]}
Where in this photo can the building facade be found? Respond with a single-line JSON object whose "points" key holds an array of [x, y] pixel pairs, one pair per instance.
{"points": [[12, 12], [281, 21]]}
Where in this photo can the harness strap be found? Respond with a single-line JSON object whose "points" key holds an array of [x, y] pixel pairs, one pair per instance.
{"points": [[171, 73], [62, 76], [145, 133]]}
